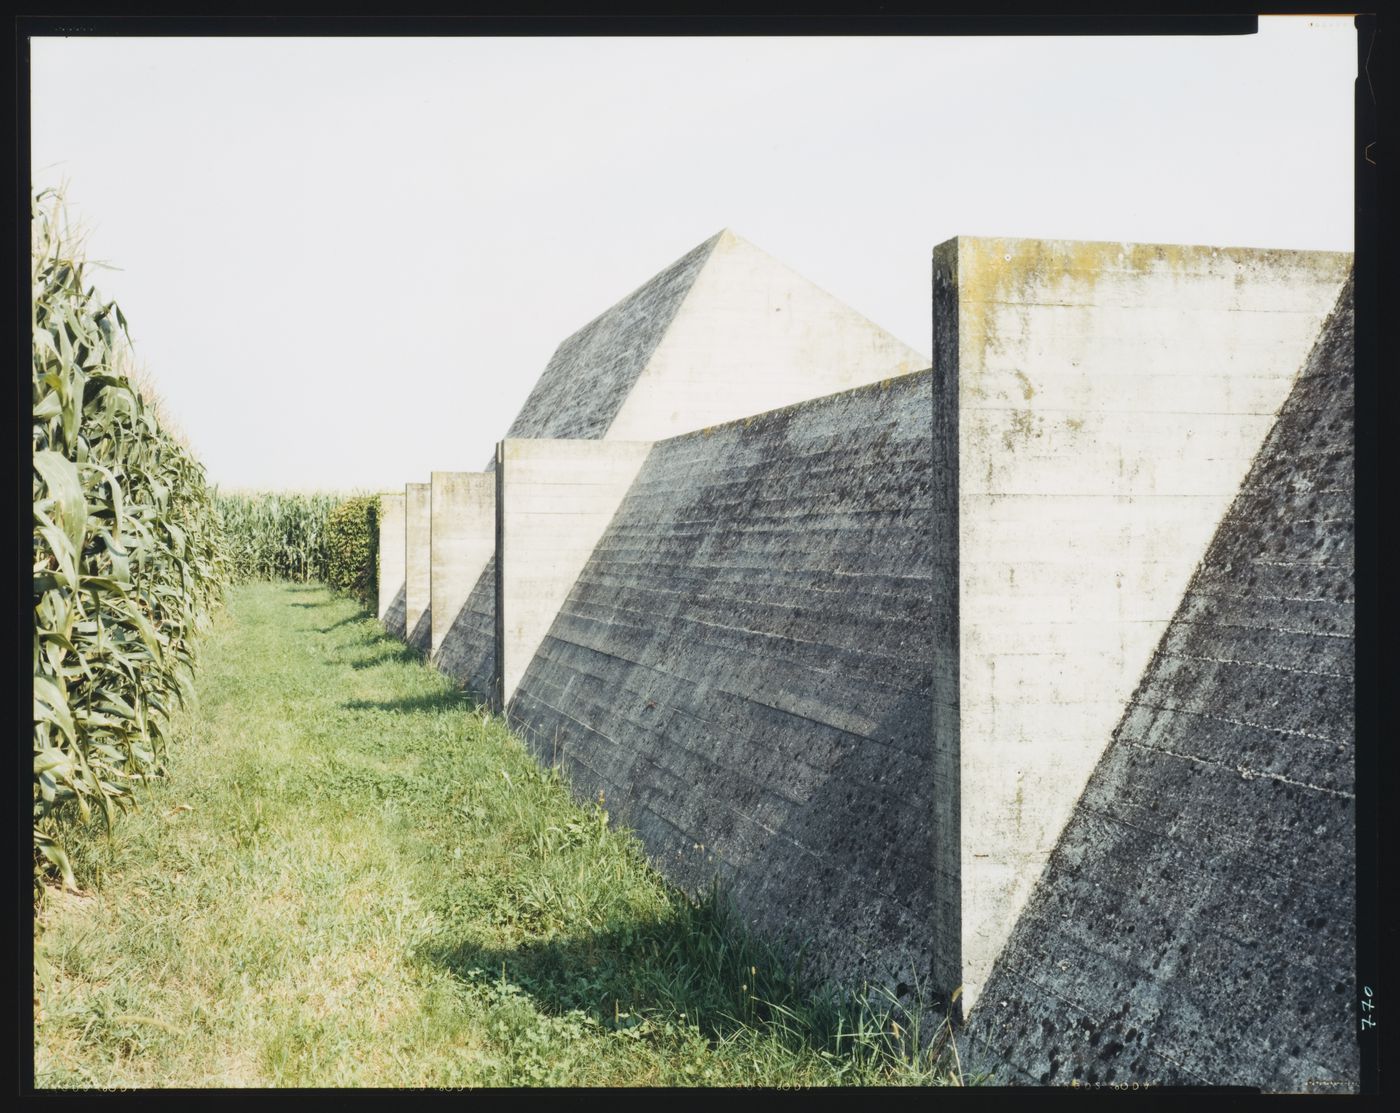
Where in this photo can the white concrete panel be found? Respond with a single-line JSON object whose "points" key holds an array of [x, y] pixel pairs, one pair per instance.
{"points": [[1111, 398], [556, 500], [391, 550], [462, 538], [417, 556], [753, 335]]}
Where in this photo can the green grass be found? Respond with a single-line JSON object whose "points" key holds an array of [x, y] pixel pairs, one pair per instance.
{"points": [[352, 877]]}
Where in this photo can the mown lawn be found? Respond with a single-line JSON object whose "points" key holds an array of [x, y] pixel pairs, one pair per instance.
{"points": [[353, 878]]}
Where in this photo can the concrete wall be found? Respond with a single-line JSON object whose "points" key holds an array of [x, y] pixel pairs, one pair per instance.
{"points": [[391, 562], [555, 498], [1110, 398], [467, 652], [1196, 924], [724, 332], [418, 564], [462, 540], [744, 670]]}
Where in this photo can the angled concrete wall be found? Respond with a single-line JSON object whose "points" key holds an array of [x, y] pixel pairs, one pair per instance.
{"points": [[467, 652], [1196, 923], [744, 669], [391, 562], [554, 499], [724, 332], [1110, 398], [462, 538], [418, 564]]}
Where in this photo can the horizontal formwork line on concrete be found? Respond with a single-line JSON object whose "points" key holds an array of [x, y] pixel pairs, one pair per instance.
{"points": [[1231, 750], [704, 550], [845, 730], [1193, 686], [739, 461], [785, 500], [897, 640], [898, 512], [703, 596], [1272, 629], [1263, 727], [791, 756], [818, 675], [803, 508], [883, 663], [1347, 567], [1162, 843], [1342, 605], [1243, 663], [741, 569], [1106, 900], [1272, 887], [761, 613], [769, 612], [821, 458], [1231, 642], [605, 586]]}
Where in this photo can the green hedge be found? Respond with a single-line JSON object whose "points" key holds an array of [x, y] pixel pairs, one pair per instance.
{"points": [[128, 557], [330, 538], [352, 548]]}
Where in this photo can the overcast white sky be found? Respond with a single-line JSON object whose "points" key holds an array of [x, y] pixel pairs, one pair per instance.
{"points": [[346, 261]]}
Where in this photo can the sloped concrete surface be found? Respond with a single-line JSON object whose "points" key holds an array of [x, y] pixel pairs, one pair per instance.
{"points": [[590, 374], [743, 670], [1195, 924]]}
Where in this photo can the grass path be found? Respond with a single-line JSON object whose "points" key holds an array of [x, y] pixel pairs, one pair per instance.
{"points": [[352, 878]]}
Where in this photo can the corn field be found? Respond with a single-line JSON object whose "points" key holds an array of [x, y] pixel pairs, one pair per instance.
{"points": [[128, 560], [274, 536]]}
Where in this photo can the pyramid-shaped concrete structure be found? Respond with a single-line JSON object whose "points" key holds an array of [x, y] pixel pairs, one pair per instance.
{"points": [[723, 332]]}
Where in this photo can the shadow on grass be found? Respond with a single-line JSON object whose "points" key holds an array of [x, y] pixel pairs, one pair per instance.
{"points": [[393, 654], [695, 965], [444, 701], [348, 620]]}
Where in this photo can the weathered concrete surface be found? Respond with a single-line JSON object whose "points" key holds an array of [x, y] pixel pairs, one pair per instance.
{"points": [[1110, 398], [745, 669], [418, 557], [391, 562], [462, 539], [1196, 923], [724, 332], [467, 652], [556, 497], [590, 374]]}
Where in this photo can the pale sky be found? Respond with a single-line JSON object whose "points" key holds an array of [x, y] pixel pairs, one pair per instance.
{"points": [[346, 261]]}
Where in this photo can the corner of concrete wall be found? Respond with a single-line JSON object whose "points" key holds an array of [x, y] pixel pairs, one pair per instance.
{"points": [[391, 560], [947, 723], [462, 536], [495, 691], [418, 558], [554, 500]]}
